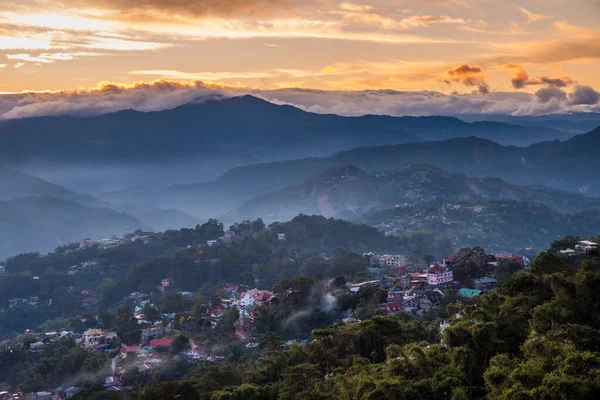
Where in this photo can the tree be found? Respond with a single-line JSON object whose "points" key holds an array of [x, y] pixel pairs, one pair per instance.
{"points": [[150, 313], [179, 344], [107, 292]]}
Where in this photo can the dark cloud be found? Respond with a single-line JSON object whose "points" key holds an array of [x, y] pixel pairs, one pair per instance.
{"points": [[547, 94], [521, 78], [584, 95], [468, 75]]}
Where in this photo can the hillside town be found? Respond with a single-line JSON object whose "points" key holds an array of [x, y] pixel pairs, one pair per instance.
{"points": [[398, 283]]}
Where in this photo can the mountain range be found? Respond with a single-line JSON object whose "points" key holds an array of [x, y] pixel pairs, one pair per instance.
{"points": [[347, 192], [497, 225], [37, 215], [206, 137], [570, 165]]}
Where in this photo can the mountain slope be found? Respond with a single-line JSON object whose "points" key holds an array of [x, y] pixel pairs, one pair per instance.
{"points": [[14, 184], [347, 192], [203, 139], [41, 224], [499, 225]]}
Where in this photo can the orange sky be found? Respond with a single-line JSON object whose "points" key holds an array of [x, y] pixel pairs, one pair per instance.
{"points": [[448, 46]]}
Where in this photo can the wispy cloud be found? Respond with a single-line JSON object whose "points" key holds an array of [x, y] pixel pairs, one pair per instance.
{"points": [[531, 16]]}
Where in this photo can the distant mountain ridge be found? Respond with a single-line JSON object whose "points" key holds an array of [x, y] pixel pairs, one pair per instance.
{"points": [[498, 225], [14, 184], [571, 165], [40, 224], [347, 192], [203, 139]]}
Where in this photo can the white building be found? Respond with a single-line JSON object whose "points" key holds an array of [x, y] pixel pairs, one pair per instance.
{"points": [[94, 337], [438, 276], [2, 270], [281, 236], [586, 245], [387, 260]]}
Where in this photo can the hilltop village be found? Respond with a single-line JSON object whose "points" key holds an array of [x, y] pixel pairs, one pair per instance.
{"points": [[175, 319]]}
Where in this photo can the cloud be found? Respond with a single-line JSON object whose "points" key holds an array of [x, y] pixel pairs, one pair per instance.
{"points": [[468, 75], [533, 17], [584, 95], [547, 94], [521, 78], [159, 95], [19, 65], [370, 16], [426, 20], [197, 8]]}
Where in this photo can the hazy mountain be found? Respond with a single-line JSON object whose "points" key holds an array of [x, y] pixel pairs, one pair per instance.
{"points": [[493, 224], [570, 122], [347, 192], [14, 184], [571, 165], [43, 223], [203, 139]]}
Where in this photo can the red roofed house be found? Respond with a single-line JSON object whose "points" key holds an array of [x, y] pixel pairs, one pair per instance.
{"points": [[394, 306], [161, 342], [130, 349], [255, 296]]}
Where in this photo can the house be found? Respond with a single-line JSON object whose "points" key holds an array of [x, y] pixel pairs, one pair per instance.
{"points": [[2, 270], [130, 349], [152, 333], [40, 396], [393, 306], [215, 314], [70, 392], [438, 274], [161, 342], [356, 286], [87, 242], [196, 353], [255, 297], [211, 242], [410, 303], [586, 245], [109, 243], [36, 347], [395, 293], [390, 261], [484, 283], [281, 236], [94, 337], [469, 293], [15, 301], [568, 252]]}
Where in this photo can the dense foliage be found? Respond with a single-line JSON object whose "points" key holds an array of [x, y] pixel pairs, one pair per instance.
{"points": [[536, 337]]}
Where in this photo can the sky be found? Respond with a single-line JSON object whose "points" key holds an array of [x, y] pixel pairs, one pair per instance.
{"points": [[519, 57]]}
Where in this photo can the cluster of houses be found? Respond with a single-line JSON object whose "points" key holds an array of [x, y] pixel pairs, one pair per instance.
{"points": [[113, 241], [582, 246]]}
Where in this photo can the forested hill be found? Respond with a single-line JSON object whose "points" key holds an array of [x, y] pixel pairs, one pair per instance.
{"points": [[347, 192], [44, 223], [14, 184], [536, 337], [570, 166]]}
